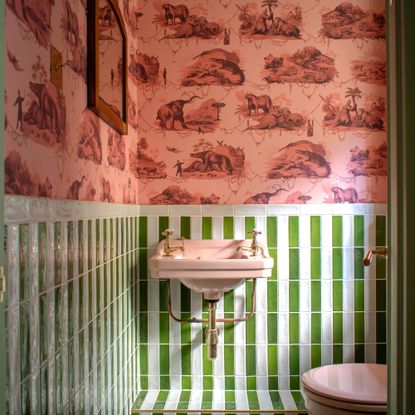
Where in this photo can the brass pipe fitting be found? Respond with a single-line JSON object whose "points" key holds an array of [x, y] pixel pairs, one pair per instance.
{"points": [[219, 320], [371, 253]]}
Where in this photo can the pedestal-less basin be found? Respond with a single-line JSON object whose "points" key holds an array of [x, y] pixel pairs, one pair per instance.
{"points": [[211, 267]]}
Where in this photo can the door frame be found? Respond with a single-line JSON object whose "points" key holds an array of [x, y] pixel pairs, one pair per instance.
{"points": [[401, 281], [3, 354]]}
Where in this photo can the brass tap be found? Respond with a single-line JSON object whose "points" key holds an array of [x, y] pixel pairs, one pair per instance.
{"points": [[168, 249], [371, 253], [254, 248]]}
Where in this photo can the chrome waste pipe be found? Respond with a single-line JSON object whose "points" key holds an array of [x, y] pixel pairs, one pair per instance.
{"points": [[212, 332]]}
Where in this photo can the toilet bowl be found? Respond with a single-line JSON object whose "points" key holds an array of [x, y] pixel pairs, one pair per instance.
{"points": [[346, 389]]}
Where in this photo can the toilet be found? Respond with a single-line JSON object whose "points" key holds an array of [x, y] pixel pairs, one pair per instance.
{"points": [[346, 389]]}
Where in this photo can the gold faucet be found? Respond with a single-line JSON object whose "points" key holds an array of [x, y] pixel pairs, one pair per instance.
{"points": [[254, 248], [168, 249]]}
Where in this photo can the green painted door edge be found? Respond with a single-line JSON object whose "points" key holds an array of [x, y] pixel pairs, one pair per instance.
{"points": [[3, 362], [401, 281]]}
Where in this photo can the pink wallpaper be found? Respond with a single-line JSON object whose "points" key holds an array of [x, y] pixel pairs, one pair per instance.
{"points": [[231, 102], [55, 146]]}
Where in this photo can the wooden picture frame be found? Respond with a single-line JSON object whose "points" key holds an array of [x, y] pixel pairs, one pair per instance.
{"points": [[114, 116]]}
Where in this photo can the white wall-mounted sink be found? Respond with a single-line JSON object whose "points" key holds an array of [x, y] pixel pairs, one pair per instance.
{"points": [[211, 267]]}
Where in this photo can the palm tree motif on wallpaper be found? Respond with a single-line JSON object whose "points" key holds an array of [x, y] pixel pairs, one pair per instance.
{"points": [[350, 116], [266, 24], [345, 117]]}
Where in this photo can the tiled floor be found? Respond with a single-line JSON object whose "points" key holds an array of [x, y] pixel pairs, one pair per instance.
{"points": [[203, 401]]}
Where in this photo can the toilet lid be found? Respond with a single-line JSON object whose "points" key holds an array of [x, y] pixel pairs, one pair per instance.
{"points": [[360, 383]]}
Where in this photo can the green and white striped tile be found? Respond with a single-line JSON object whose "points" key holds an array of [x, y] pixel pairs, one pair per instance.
{"points": [[61, 305], [309, 313]]}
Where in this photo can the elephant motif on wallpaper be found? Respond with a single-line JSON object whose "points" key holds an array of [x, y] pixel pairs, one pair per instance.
{"points": [[263, 198], [171, 112], [44, 112], [213, 161]]}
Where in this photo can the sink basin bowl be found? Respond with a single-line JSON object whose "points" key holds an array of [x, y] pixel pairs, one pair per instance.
{"points": [[211, 267]]}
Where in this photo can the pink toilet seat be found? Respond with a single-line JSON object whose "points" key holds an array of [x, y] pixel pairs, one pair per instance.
{"points": [[353, 387]]}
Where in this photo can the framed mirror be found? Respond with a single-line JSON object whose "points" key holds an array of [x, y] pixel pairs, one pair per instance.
{"points": [[107, 63]]}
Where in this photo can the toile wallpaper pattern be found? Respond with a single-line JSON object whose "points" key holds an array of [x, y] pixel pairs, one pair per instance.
{"points": [[230, 102]]}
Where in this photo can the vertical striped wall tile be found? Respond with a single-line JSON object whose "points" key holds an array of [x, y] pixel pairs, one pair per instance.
{"points": [[72, 293]]}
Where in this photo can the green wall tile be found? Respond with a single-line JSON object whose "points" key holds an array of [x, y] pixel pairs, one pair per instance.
{"points": [[272, 328], [359, 230], [337, 328], [229, 360], [337, 231], [337, 295], [163, 225], [42, 256], [294, 258], [359, 295], [359, 271], [272, 231], [272, 296], [315, 229], [315, 259], [315, 328], [206, 228], [293, 231], [337, 354], [337, 261], [381, 295], [253, 400], [185, 226], [228, 232], [24, 340], [315, 296], [294, 296], [294, 328], [142, 238], [380, 230], [294, 360], [315, 355], [24, 261], [359, 327]]}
